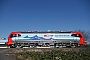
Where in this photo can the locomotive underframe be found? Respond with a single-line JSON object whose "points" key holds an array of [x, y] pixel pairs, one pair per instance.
{"points": [[45, 43]]}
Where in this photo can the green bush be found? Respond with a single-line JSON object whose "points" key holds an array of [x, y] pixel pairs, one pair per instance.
{"points": [[82, 54]]}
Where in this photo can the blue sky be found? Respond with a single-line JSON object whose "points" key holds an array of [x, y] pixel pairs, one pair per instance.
{"points": [[18, 15]]}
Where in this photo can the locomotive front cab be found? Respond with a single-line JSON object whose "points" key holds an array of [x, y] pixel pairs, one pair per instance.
{"points": [[79, 35], [12, 35]]}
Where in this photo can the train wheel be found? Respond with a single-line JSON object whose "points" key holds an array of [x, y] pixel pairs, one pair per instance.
{"points": [[60, 46], [17, 45], [82, 46], [12, 46], [32, 46], [73, 46]]}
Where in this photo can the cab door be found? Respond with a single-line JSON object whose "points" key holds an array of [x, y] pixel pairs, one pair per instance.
{"points": [[14, 37], [18, 35], [74, 36]]}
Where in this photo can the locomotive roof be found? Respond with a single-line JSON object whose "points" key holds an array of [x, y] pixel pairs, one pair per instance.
{"points": [[46, 32], [26, 32]]}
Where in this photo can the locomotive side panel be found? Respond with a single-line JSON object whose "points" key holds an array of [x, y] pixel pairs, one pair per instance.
{"points": [[41, 37]]}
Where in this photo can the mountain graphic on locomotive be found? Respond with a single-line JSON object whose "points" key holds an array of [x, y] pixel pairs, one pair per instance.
{"points": [[45, 38], [37, 38]]}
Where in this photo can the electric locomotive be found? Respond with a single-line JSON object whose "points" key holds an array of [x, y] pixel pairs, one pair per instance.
{"points": [[45, 39]]}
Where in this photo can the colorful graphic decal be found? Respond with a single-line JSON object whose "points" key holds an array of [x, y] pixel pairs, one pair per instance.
{"points": [[37, 38]]}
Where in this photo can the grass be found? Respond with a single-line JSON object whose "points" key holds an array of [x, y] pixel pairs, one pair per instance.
{"points": [[78, 54]]}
